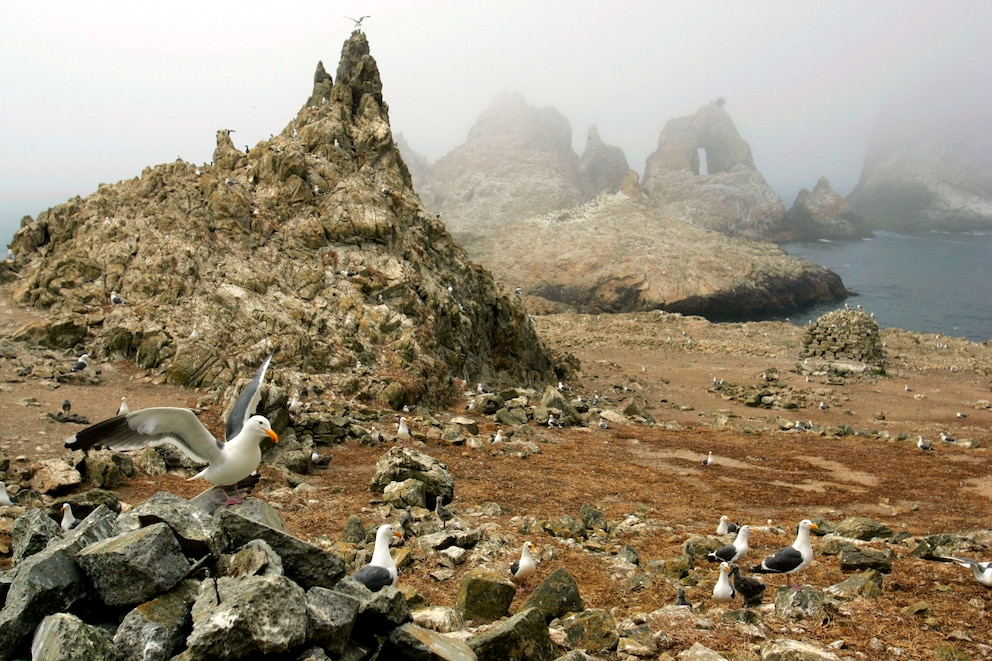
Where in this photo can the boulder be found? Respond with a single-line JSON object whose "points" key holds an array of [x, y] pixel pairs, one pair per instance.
{"points": [[256, 558], [65, 637], [863, 528], [31, 533], [135, 566], [154, 630], [439, 618], [523, 637], [54, 476], [699, 652], [861, 559], [196, 531], [330, 618], [409, 641], [798, 604], [556, 596], [823, 214], [795, 650], [863, 584], [408, 493], [401, 463], [484, 596], [593, 630]]}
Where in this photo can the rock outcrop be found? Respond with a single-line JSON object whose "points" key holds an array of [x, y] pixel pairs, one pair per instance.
{"points": [[618, 253], [602, 167], [933, 175], [823, 214], [313, 243], [702, 173], [517, 161]]}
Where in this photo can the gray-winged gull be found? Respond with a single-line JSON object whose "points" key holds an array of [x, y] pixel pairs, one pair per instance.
{"points": [[123, 409], [792, 558], [227, 463], [69, 521], [732, 552], [523, 568], [981, 570], [381, 571]]}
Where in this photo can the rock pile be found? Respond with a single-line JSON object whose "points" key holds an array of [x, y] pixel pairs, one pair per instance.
{"points": [[844, 335], [312, 243]]}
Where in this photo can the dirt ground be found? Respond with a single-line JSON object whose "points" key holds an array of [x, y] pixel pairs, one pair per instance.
{"points": [[762, 475]]}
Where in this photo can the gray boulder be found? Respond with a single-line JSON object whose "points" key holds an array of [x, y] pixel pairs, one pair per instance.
{"points": [[154, 630], [32, 532], [384, 609], [304, 563], [255, 615], [194, 528], [484, 596], [256, 558], [556, 596], [401, 464], [330, 618], [795, 650], [523, 637], [65, 637], [860, 559], [864, 584], [798, 604], [135, 566], [408, 493], [699, 652], [594, 630], [863, 528], [410, 641]]}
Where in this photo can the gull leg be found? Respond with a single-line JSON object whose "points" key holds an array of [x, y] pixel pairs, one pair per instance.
{"points": [[232, 501]]}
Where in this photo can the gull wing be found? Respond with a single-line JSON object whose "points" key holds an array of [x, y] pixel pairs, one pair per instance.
{"points": [[150, 427], [247, 401], [783, 561]]}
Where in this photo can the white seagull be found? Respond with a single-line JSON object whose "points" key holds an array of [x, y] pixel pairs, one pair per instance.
{"points": [[732, 552], [923, 443], [357, 21], [726, 526], [194, 335], [5, 500], [708, 460], [403, 431], [723, 591], [227, 463], [792, 558], [69, 521], [498, 438], [81, 363], [523, 568], [981, 570], [381, 570], [116, 299], [123, 409], [295, 404]]}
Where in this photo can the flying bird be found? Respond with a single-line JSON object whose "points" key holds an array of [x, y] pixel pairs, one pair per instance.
{"points": [[357, 21], [227, 463], [750, 589], [732, 552], [123, 409], [792, 558], [981, 570], [381, 570], [523, 568], [723, 591]]}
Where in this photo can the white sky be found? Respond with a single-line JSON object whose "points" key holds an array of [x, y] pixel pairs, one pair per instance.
{"points": [[93, 91]]}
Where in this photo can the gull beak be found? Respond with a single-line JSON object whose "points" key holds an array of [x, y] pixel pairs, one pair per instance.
{"points": [[814, 527], [397, 533], [271, 434]]}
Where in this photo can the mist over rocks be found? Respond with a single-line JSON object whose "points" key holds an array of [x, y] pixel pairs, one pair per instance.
{"points": [[312, 243], [822, 213], [724, 192], [928, 174]]}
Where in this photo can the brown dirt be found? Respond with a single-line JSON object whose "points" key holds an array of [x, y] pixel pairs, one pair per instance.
{"points": [[760, 473]]}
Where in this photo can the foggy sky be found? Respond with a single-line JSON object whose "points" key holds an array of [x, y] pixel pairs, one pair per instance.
{"points": [[95, 91]]}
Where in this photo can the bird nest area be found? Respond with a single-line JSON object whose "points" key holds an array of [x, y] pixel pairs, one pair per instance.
{"points": [[648, 480]]}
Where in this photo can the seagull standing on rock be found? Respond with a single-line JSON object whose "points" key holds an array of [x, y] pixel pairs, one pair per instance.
{"points": [[708, 460], [69, 521], [381, 570], [726, 526], [81, 363], [924, 444], [5, 500], [403, 431], [116, 299]]}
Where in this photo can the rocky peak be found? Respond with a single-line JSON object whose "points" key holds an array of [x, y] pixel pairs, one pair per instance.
{"points": [[703, 173], [823, 213], [602, 167], [312, 244]]}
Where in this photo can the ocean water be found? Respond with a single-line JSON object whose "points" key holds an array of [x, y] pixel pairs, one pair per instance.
{"points": [[930, 283]]}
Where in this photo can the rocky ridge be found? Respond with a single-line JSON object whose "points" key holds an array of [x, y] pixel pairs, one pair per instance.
{"points": [[822, 213], [313, 243]]}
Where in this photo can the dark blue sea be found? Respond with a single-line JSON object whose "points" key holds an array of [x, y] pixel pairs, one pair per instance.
{"points": [[929, 283]]}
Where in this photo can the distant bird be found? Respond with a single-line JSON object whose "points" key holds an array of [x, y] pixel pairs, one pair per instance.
{"points": [[726, 526], [403, 431], [381, 570], [116, 298], [680, 599], [295, 404], [377, 435], [553, 423], [732, 552], [68, 520], [723, 591], [792, 558], [5, 500], [603, 424], [959, 414], [442, 513], [66, 406], [799, 426], [923, 443], [357, 21], [320, 460], [523, 568], [947, 439], [750, 589], [498, 438], [123, 408], [907, 388], [480, 389], [227, 463], [823, 406], [194, 335], [708, 460], [981, 570], [81, 363]]}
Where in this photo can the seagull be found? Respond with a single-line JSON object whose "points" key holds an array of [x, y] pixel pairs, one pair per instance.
{"points": [[194, 335], [227, 463], [750, 589], [708, 460], [981, 570], [66, 406], [523, 568], [320, 460], [732, 552], [5, 500], [823, 406], [357, 21], [723, 591], [726, 526], [603, 424], [123, 408], [295, 404], [553, 423], [381, 570], [498, 438], [68, 520], [403, 431], [924, 444], [442, 513], [792, 558], [947, 439], [116, 299], [959, 414], [81, 363]]}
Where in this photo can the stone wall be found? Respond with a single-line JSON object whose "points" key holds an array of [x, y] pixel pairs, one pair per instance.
{"points": [[844, 335]]}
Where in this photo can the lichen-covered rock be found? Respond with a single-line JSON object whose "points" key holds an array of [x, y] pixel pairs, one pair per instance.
{"points": [[401, 463], [484, 596], [863, 528], [556, 596], [523, 637], [594, 630], [65, 637], [154, 630], [196, 531], [410, 641], [31, 533], [795, 650]]}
